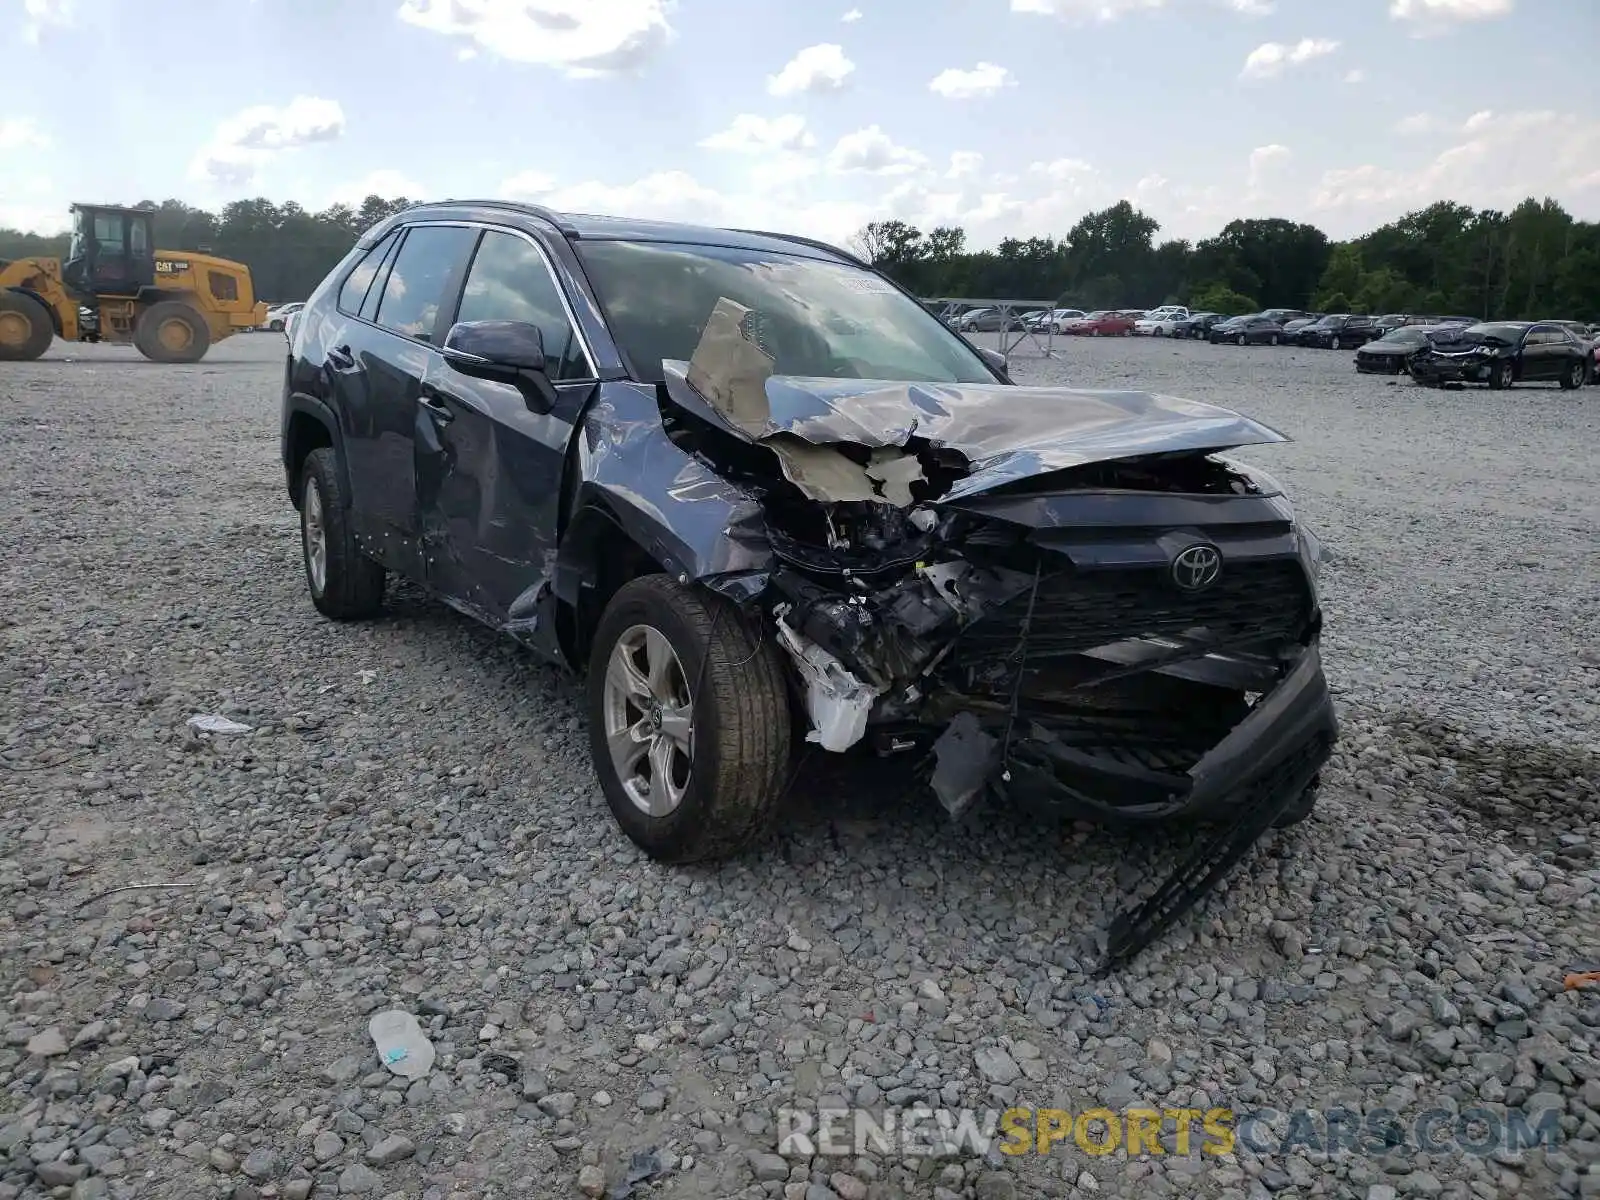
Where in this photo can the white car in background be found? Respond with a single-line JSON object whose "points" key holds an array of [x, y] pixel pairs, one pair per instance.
{"points": [[278, 316], [1161, 323], [1051, 320]]}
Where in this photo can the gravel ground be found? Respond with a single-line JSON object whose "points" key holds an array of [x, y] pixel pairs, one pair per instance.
{"points": [[412, 823]]}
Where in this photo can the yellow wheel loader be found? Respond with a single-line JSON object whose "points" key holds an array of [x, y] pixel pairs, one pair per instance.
{"points": [[115, 286]]}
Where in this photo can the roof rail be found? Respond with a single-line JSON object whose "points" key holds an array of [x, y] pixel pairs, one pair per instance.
{"points": [[555, 218], [814, 243]]}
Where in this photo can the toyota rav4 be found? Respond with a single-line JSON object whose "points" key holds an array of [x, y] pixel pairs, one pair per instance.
{"points": [[760, 496]]}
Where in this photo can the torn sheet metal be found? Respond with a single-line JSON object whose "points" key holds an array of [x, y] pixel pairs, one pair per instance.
{"points": [[731, 371], [965, 758], [1007, 432], [821, 472], [837, 702]]}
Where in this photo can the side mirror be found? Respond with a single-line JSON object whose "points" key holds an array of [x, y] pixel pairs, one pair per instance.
{"points": [[500, 350], [996, 361], [503, 352]]}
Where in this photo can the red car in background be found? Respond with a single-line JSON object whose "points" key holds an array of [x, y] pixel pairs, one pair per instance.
{"points": [[1105, 323]]}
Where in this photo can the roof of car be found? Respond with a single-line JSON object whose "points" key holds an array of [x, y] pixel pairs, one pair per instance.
{"points": [[594, 227]]}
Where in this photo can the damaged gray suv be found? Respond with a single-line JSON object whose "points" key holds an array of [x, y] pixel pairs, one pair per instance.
{"points": [[762, 497]]}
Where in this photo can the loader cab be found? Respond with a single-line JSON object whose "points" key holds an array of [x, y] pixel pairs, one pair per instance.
{"points": [[112, 251]]}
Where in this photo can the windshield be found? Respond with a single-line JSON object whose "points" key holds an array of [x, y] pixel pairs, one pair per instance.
{"points": [[1491, 332], [1332, 319], [1411, 335], [813, 317]]}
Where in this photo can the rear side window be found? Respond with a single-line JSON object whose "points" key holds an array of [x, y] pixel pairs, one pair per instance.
{"points": [[223, 287], [359, 280], [510, 281], [430, 260]]}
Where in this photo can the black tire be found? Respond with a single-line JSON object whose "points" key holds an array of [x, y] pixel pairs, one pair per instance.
{"points": [[1301, 807], [1573, 377], [159, 326], [739, 710], [25, 328], [1503, 376], [1244, 339], [275, 326], [352, 584], [1274, 339], [1336, 344]]}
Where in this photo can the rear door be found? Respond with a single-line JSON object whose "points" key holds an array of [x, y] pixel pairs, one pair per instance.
{"points": [[1541, 356], [489, 465], [384, 357]]}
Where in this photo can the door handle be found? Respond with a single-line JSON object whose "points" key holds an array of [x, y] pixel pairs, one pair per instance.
{"points": [[341, 357], [436, 407]]}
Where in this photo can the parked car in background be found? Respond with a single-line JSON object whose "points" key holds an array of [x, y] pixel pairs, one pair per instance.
{"points": [[1396, 320], [1165, 309], [1051, 320], [1283, 316], [1197, 324], [1104, 323], [1387, 355], [1292, 328], [989, 320], [1585, 335], [1502, 353], [278, 316], [1253, 330], [1337, 330], [1159, 324]]}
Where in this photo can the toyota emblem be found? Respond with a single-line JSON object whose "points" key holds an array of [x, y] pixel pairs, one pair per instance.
{"points": [[1197, 567]]}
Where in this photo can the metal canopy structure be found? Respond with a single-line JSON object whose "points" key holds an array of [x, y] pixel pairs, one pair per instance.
{"points": [[1009, 310]]}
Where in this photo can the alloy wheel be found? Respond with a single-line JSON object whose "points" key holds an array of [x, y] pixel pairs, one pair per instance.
{"points": [[314, 529], [649, 720]]}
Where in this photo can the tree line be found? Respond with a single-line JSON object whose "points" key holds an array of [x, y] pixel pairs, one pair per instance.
{"points": [[1448, 258], [1534, 261]]}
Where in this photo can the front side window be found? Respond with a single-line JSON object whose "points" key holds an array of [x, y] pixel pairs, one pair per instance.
{"points": [[813, 317], [509, 281], [415, 289], [108, 232], [139, 237]]}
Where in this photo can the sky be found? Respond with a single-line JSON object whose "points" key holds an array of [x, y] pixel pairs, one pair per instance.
{"points": [[1011, 118]]}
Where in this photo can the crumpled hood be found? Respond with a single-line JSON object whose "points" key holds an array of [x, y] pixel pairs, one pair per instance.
{"points": [[1006, 432]]}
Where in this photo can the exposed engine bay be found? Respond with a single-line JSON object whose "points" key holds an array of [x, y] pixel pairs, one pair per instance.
{"points": [[1071, 600]]}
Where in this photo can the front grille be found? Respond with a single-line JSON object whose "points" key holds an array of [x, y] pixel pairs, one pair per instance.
{"points": [[1078, 611]]}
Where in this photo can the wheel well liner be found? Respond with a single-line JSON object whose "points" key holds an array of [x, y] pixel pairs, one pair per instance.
{"points": [[308, 424], [597, 557]]}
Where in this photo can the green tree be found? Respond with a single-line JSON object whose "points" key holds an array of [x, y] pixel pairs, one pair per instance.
{"points": [[1220, 298]]}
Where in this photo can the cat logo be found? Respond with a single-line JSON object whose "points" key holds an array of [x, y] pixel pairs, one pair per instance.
{"points": [[170, 266]]}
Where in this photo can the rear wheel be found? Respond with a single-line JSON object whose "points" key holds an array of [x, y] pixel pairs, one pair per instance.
{"points": [[689, 722], [1573, 377], [172, 332], [1503, 377], [1274, 339], [25, 328], [344, 584]]}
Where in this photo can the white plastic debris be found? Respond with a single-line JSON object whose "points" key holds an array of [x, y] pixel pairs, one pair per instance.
{"points": [[402, 1046], [837, 702], [211, 723]]}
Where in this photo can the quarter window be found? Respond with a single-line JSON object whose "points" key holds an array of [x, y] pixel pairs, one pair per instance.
{"points": [[510, 281], [428, 260], [359, 280]]}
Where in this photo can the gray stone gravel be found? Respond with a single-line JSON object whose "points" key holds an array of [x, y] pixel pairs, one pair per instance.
{"points": [[412, 823]]}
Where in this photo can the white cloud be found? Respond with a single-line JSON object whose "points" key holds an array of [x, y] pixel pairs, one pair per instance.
{"points": [[21, 133], [662, 196], [1416, 124], [1496, 161], [1252, 8], [1063, 170], [1270, 58], [1084, 10], [964, 163], [387, 183], [821, 68], [581, 38], [874, 152], [1355, 75], [527, 185], [851, 17], [749, 134], [1430, 16], [780, 174], [985, 79], [246, 140], [1262, 158], [39, 15]]}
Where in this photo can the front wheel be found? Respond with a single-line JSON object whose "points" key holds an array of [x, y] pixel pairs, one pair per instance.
{"points": [[1274, 339], [689, 721], [25, 328], [1243, 340], [1573, 377], [1336, 344]]}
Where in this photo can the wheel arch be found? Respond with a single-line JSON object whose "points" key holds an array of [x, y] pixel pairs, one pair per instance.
{"points": [[309, 424], [598, 555]]}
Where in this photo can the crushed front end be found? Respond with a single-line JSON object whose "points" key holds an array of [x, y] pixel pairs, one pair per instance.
{"points": [[1082, 609]]}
